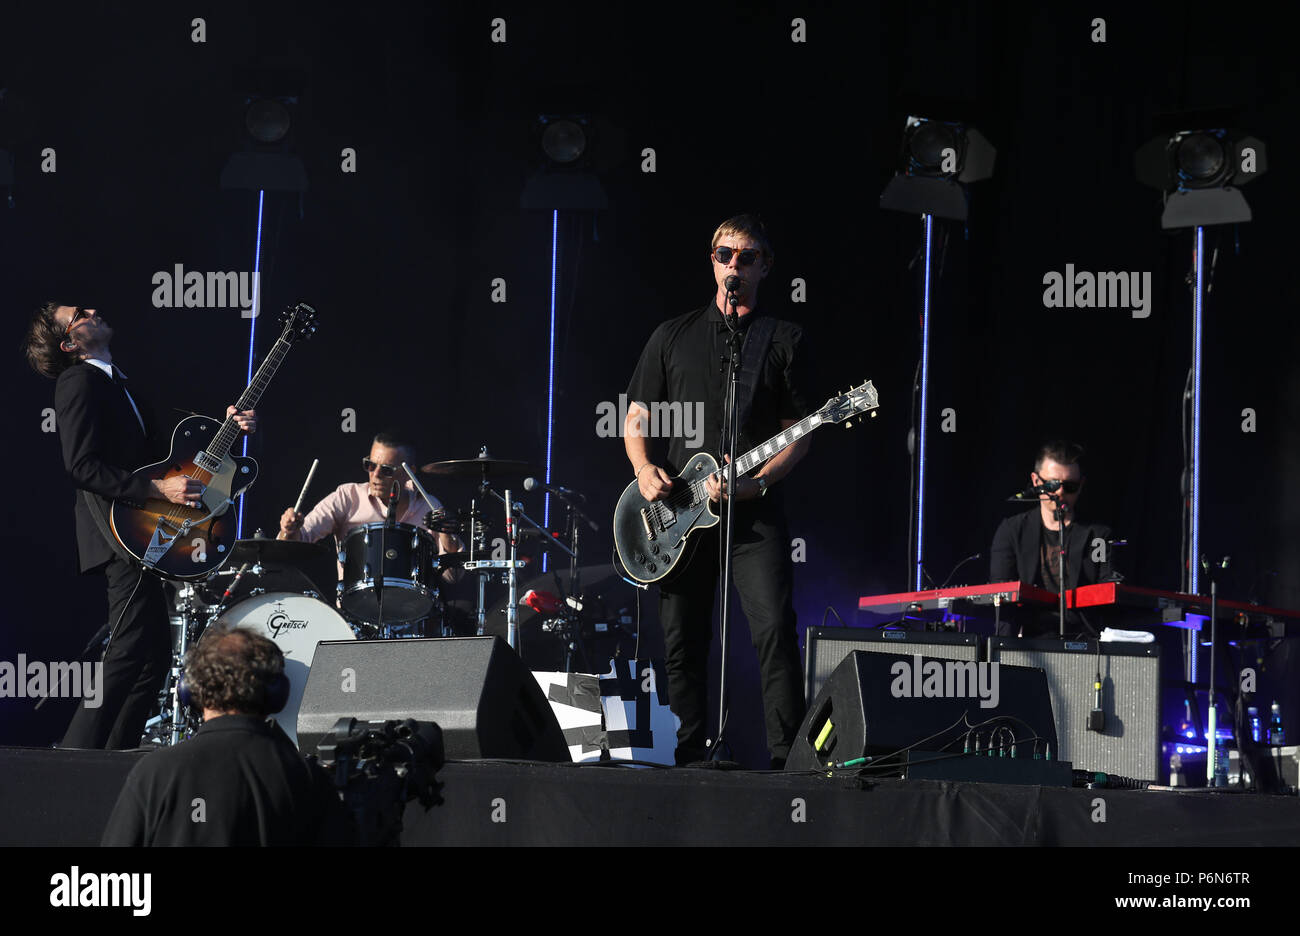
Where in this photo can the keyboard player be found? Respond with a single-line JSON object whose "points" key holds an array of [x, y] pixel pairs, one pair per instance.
{"points": [[1026, 547]]}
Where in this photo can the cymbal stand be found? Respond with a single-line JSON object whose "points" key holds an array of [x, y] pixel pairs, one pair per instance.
{"points": [[514, 515]]}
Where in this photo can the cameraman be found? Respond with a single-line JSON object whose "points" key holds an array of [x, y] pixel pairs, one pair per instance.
{"points": [[239, 780]]}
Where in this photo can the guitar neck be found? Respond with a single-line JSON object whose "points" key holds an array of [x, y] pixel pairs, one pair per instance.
{"points": [[778, 443], [229, 431]]}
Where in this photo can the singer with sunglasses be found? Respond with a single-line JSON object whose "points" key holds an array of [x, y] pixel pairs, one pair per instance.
{"points": [[351, 505], [1027, 547], [685, 362]]}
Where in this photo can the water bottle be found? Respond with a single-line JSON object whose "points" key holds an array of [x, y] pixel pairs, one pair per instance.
{"points": [[1276, 736], [1253, 714]]}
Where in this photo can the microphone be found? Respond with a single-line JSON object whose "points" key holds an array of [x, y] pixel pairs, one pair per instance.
{"points": [[1032, 492], [732, 283], [569, 497], [391, 517], [531, 484]]}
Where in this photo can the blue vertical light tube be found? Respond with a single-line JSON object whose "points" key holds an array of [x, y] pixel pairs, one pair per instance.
{"points": [[550, 381], [1197, 339], [252, 334], [925, 399]]}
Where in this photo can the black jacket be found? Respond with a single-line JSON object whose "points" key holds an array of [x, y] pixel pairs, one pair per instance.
{"points": [[102, 445], [1016, 544]]}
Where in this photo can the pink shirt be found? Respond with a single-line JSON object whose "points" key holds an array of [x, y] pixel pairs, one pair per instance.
{"points": [[351, 505]]}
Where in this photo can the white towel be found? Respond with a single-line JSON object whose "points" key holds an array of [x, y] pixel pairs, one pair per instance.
{"points": [[1112, 635]]}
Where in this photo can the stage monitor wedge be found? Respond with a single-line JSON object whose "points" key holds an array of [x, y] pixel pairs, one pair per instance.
{"points": [[476, 688], [877, 704]]}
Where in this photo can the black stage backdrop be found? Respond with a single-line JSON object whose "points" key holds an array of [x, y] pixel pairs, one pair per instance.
{"points": [[400, 257]]}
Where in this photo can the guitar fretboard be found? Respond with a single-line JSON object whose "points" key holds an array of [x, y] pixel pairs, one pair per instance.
{"points": [[229, 431], [761, 453]]}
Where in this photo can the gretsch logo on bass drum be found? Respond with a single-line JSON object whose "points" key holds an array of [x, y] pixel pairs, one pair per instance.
{"points": [[279, 621]]}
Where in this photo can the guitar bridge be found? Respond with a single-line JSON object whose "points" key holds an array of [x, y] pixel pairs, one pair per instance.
{"points": [[656, 518]]}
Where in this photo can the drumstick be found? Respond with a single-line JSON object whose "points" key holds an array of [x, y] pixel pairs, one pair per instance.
{"points": [[419, 487], [303, 496]]}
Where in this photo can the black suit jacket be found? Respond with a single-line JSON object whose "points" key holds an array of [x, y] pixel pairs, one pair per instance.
{"points": [[1016, 544], [102, 445]]}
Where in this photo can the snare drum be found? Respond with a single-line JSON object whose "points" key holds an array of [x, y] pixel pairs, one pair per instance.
{"points": [[296, 623], [410, 584]]}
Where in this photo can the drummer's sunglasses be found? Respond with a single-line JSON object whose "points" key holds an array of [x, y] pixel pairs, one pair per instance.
{"points": [[385, 471]]}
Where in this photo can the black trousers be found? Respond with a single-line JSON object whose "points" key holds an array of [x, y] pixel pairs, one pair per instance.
{"points": [[763, 575], [135, 664]]}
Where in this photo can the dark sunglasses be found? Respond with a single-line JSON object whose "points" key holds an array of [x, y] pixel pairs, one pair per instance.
{"points": [[724, 254], [385, 471], [1069, 487], [76, 317]]}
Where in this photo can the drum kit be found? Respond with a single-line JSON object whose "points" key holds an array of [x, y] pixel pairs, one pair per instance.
{"points": [[389, 586]]}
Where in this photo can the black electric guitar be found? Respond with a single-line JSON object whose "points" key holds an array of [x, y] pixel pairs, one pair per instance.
{"points": [[650, 539], [192, 542]]}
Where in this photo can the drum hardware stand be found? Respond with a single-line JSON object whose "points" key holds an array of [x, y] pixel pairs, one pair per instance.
{"points": [[178, 716], [1058, 498], [514, 514]]}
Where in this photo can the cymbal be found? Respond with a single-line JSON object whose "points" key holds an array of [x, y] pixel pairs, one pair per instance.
{"points": [[477, 467]]}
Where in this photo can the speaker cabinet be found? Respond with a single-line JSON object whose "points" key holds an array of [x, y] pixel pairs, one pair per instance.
{"points": [[826, 647], [475, 688], [872, 706], [1129, 741]]}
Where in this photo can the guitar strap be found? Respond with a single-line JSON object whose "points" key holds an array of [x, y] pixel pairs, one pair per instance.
{"points": [[758, 336]]}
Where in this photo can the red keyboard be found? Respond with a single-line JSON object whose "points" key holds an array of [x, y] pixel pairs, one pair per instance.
{"points": [[1171, 605]]}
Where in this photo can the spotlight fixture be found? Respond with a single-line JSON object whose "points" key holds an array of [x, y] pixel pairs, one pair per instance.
{"points": [[566, 177], [267, 120], [563, 141], [938, 158], [268, 98], [1200, 172]]}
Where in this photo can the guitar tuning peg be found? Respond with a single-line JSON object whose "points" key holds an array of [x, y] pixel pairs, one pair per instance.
{"points": [[874, 414], [848, 424]]}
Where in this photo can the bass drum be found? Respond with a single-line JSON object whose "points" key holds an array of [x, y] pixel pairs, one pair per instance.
{"points": [[296, 622]]}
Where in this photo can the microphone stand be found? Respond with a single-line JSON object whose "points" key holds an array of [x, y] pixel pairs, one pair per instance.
{"points": [[1059, 513], [730, 438], [389, 518]]}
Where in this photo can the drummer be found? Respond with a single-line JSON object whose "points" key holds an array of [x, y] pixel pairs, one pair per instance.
{"points": [[352, 505]]}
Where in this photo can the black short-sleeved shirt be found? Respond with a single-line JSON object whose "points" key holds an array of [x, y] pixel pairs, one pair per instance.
{"points": [[685, 362], [254, 787]]}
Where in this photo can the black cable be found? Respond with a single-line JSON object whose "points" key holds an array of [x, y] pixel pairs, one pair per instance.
{"points": [[831, 610]]}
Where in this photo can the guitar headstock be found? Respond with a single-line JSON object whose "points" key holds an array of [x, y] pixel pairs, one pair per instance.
{"points": [[861, 399], [299, 323]]}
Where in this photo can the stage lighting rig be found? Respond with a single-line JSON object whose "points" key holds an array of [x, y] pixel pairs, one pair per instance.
{"points": [[268, 98], [1200, 173], [937, 159], [566, 178]]}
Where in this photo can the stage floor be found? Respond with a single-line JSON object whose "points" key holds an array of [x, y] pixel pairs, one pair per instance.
{"points": [[58, 798]]}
